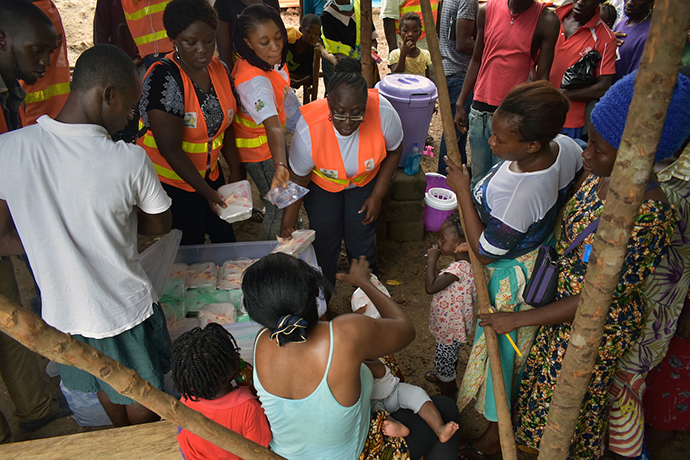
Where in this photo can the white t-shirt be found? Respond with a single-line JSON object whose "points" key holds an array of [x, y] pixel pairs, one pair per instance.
{"points": [[73, 194], [258, 98], [302, 162]]}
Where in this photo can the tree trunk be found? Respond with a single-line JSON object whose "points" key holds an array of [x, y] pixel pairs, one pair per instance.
{"points": [[654, 84], [505, 425], [30, 330], [365, 41]]}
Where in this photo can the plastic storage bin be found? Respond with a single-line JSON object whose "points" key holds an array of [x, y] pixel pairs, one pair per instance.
{"points": [[245, 332], [439, 203], [413, 97]]}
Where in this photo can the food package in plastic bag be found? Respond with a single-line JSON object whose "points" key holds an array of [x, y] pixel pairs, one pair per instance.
{"points": [[173, 309], [157, 260], [85, 407], [284, 197], [230, 273], [175, 289], [201, 275], [196, 299], [361, 303], [180, 272], [238, 197], [221, 313], [301, 239]]}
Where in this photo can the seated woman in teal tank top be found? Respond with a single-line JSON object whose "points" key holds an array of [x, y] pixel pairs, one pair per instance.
{"points": [[309, 374]]}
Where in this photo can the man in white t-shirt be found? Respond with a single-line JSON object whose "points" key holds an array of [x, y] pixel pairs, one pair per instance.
{"points": [[77, 200]]}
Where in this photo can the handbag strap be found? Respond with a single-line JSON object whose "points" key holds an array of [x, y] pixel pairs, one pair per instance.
{"points": [[595, 223]]}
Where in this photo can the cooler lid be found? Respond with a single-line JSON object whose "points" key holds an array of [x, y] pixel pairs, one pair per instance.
{"points": [[401, 87]]}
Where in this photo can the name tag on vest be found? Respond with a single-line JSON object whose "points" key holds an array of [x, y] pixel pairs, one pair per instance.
{"points": [[369, 165], [331, 174], [190, 120]]}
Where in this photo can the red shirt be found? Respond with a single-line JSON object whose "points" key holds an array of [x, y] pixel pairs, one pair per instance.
{"points": [[592, 35], [238, 410], [507, 58]]}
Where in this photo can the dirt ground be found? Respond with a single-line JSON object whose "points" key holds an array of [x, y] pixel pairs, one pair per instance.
{"points": [[402, 262]]}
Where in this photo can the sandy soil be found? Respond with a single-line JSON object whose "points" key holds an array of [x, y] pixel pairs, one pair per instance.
{"points": [[403, 262]]}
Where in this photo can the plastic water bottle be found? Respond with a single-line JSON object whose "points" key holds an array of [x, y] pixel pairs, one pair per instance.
{"points": [[413, 161]]}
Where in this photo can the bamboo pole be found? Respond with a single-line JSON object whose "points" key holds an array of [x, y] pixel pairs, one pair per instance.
{"points": [[365, 41], [505, 426], [654, 84], [32, 332]]}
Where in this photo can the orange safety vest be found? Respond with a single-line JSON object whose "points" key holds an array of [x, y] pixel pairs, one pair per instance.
{"points": [[414, 7], [48, 94], [250, 138], [145, 22], [202, 150], [329, 169]]}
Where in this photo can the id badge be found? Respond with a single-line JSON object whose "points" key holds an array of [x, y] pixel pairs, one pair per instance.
{"points": [[587, 253]]}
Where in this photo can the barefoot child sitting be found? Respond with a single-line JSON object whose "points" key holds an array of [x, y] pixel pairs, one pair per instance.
{"points": [[205, 363], [451, 314], [390, 394], [408, 58]]}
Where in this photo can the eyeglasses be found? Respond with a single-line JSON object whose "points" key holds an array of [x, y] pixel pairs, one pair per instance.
{"points": [[352, 118]]}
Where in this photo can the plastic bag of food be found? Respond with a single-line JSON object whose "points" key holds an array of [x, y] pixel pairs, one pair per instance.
{"points": [[238, 197], [201, 275], [221, 313], [583, 72], [180, 272], [230, 273], [284, 197], [361, 303], [301, 239], [196, 299]]}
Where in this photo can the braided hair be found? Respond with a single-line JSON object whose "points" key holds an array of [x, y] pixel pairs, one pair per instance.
{"points": [[454, 221], [348, 72], [204, 361], [246, 22], [180, 14]]}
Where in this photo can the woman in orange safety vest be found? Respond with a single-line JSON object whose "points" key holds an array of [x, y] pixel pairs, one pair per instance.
{"points": [[190, 125], [345, 149]]}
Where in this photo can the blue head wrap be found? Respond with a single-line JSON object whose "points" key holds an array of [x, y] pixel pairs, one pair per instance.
{"points": [[610, 113]]}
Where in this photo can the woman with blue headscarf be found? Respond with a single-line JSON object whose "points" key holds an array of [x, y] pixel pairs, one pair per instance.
{"points": [[649, 241]]}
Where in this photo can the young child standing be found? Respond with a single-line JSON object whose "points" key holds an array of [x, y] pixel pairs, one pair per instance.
{"points": [[205, 363], [408, 58], [300, 57], [451, 314], [262, 80]]}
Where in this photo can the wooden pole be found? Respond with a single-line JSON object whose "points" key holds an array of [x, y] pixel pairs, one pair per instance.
{"points": [[32, 332], [654, 84], [365, 41], [505, 426]]}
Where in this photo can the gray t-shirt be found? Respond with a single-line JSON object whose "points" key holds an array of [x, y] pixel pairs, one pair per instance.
{"points": [[453, 61]]}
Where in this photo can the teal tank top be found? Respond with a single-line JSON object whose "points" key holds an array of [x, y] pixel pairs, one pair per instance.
{"points": [[318, 426]]}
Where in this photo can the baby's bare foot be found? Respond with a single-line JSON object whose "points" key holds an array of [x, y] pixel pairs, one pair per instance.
{"points": [[395, 429], [445, 432]]}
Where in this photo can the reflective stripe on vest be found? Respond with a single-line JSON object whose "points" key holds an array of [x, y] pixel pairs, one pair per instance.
{"points": [[48, 95], [412, 6], [145, 23], [202, 151], [250, 137], [334, 47], [329, 171]]}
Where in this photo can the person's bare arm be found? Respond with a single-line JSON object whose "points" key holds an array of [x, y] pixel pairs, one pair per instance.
{"points": [[229, 152], [372, 205], [557, 312], [590, 93], [167, 129], [545, 38], [434, 283], [224, 43], [459, 180], [154, 224], [472, 72], [375, 337], [464, 30], [276, 142], [290, 213], [389, 30], [10, 244]]}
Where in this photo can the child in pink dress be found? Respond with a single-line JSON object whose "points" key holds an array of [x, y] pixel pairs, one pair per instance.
{"points": [[451, 316]]}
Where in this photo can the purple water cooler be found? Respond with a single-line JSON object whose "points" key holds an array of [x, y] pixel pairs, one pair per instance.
{"points": [[413, 97]]}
